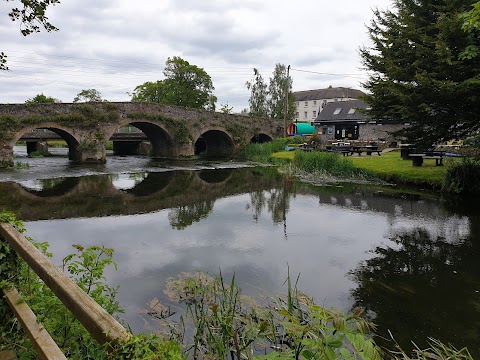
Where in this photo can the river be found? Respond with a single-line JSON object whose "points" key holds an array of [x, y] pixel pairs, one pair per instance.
{"points": [[410, 258]]}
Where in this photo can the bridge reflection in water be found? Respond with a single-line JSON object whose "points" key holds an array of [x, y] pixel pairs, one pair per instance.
{"points": [[398, 254]]}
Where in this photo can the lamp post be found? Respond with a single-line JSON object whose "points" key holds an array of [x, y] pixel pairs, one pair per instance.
{"points": [[286, 102]]}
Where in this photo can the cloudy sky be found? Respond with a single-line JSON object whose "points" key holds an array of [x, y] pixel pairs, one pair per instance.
{"points": [[115, 45]]}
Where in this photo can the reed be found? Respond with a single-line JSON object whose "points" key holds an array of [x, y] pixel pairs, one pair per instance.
{"points": [[327, 163], [263, 152]]}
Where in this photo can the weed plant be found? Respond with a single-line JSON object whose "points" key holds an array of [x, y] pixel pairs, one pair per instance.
{"points": [[22, 165]]}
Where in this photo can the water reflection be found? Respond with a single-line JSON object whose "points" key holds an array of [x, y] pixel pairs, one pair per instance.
{"points": [[424, 285], [128, 181], [49, 187], [409, 258]]}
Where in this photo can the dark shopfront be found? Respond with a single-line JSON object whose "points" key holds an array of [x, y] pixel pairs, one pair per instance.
{"points": [[346, 131]]}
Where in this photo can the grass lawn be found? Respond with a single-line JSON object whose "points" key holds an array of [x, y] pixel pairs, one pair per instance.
{"points": [[390, 166]]}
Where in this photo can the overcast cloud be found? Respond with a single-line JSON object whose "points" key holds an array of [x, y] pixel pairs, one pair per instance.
{"points": [[115, 45]]}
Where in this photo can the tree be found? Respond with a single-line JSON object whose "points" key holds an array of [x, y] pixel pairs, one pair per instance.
{"points": [[417, 73], [270, 101], [258, 95], [471, 25], [32, 18], [90, 95], [184, 85], [42, 99], [150, 91], [277, 90]]}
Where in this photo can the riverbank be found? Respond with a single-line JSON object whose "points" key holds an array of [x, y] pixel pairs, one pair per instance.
{"points": [[389, 167]]}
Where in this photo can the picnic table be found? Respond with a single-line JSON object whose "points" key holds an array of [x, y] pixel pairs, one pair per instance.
{"points": [[308, 147], [417, 159], [406, 150], [369, 149], [344, 150]]}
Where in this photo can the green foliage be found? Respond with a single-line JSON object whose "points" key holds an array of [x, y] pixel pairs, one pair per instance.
{"points": [[10, 218], [270, 102], [184, 85], [418, 73], [258, 95], [38, 154], [224, 108], [41, 99], [471, 25], [86, 266], [21, 165], [328, 163], [277, 88], [263, 152], [32, 17], [148, 347], [89, 95], [437, 350], [227, 325], [463, 177]]}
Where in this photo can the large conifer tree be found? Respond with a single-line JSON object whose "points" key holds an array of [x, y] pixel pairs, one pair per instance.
{"points": [[417, 72]]}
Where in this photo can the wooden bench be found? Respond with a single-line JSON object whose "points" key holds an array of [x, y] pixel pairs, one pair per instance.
{"points": [[368, 151], [344, 152], [438, 159]]}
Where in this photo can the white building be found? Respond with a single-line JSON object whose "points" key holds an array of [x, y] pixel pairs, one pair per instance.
{"points": [[310, 103]]}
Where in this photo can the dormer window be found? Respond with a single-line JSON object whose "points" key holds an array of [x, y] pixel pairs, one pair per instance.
{"points": [[337, 111]]}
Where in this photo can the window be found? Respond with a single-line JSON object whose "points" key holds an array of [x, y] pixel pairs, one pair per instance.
{"points": [[296, 114], [314, 114], [351, 111], [330, 130], [306, 103], [314, 102], [305, 114], [337, 111], [298, 103]]}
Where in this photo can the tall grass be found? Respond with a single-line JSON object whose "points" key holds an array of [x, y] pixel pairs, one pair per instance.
{"points": [[263, 152], [327, 163], [463, 177]]}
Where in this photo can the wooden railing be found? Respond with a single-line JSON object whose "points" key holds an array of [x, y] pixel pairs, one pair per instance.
{"points": [[103, 327]]}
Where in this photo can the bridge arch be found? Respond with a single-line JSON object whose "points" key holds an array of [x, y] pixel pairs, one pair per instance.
{"points": [[65, 133], [260, 138], [214, 141], [162, 143]]}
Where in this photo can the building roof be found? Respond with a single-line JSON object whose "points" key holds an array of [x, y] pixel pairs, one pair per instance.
{"points": [[341, 111], [328, 93]]}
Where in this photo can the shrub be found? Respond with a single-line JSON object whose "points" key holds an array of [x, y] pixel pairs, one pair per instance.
{"points": [[462, 177]]}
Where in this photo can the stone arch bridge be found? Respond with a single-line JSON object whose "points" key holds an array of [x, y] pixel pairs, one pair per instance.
{"points": [[171, 131]]}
